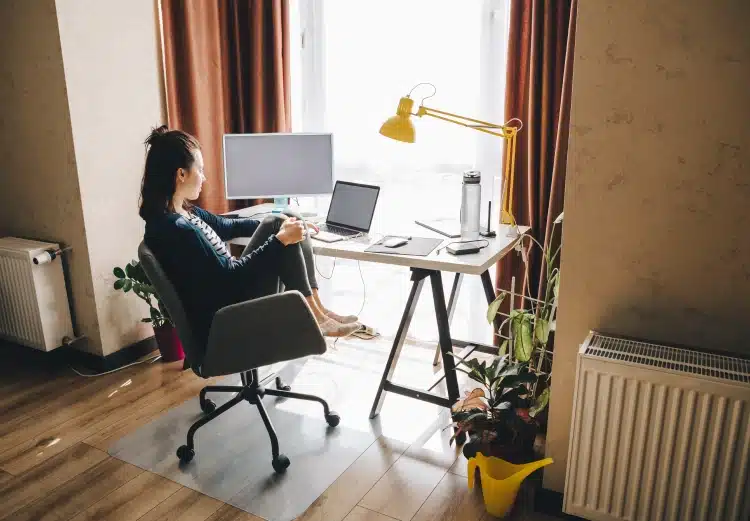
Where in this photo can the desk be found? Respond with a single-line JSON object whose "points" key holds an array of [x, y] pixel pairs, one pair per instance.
{"points": [[422, 268]]}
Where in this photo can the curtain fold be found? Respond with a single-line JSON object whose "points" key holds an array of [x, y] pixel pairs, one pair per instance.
{"points": [[226, 65], [539, 78]]}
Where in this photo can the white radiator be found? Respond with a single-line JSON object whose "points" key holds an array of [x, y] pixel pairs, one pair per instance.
{"points": [[34, 308], [658, 433]]}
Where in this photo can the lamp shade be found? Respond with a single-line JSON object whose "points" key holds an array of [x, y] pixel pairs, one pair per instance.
{"points": [[400, 126]]}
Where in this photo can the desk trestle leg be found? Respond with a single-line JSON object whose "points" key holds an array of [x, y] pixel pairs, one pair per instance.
{"points": [[417, 277]]}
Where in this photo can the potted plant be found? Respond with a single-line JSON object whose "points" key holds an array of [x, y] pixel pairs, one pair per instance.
{"points": [[499, 416], [134, 279], [528, 332]]}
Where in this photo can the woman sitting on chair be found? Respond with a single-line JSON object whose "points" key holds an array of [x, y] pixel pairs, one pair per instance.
{"points": [[189, 242]]}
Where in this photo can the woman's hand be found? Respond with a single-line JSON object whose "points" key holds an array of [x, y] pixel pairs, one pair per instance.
{"points": [[292, 231], [312, 227]]}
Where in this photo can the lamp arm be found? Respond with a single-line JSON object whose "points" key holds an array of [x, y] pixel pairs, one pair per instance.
{"points": [[506, 132]]}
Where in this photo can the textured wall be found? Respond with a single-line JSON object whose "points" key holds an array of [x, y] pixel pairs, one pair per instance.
{"points": [[656, 241], [39, 192], [112, 69]]}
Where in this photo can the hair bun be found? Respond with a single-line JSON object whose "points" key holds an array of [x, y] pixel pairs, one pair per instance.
{"points": [[157, 134]]}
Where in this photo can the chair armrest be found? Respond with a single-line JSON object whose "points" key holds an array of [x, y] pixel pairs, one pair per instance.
{"points": [[260, 332]]}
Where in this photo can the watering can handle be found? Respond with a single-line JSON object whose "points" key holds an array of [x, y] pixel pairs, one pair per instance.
{"points": [[472, 467]]}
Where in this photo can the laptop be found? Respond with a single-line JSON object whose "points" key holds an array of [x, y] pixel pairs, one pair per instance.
{"points": [[350, 213]]}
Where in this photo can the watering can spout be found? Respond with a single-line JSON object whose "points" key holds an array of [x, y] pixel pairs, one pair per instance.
{"points": [[528, 468]]}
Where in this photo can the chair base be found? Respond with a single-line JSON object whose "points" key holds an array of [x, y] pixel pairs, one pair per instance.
{"points": [[252, 392]]}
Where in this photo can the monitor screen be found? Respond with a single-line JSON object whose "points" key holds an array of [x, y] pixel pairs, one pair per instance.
{"points": [[353, 205], [277, 165]]}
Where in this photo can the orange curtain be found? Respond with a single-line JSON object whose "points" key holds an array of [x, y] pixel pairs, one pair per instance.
{"points": [[227, 71], [539, 78]]}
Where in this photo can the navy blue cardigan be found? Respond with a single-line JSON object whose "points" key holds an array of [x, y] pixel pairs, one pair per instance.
{"points": [[205, 280]]}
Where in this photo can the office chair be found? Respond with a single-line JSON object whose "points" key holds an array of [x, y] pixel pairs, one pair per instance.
{"points": [[228, 351]]}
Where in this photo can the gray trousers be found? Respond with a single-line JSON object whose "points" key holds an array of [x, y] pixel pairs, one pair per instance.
{"points": [[296, 267]]}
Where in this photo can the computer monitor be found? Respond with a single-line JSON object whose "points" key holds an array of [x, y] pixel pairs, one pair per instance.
{"points": [[278, 165]]}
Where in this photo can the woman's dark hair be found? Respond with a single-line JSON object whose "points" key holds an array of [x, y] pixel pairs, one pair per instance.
{"points": [[168, 151]]}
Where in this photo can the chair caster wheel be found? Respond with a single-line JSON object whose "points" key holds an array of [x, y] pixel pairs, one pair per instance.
{"points": [[280, 463], [281, 386], [333, 419], [208, 406], [185, 453]]}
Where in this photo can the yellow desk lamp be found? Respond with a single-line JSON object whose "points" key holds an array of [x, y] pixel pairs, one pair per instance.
{"points": [[401, 128]]}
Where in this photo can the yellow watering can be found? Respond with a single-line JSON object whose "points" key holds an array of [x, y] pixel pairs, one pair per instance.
{"points": [[501, 480]]}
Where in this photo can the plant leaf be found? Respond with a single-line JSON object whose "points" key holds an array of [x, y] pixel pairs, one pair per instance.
{"points": [[523, 344], [515, 380], [495, 306], [128, 285], [130, 269], [541, 402], [541, 330], [503, 347], [119, 283]]}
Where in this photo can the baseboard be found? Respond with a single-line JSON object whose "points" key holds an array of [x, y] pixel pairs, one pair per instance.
{"points": [[550, 503], [81, 360], [124, 356]]}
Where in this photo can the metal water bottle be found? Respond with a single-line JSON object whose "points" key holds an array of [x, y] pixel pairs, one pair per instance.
{"points": [[471, 201]]}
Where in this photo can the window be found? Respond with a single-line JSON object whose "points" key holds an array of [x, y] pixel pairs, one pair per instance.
{"points": [[351, 62], [356, 59]]}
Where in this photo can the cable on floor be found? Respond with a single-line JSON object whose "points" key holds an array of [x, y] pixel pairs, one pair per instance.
{"points": [[149, 360]]}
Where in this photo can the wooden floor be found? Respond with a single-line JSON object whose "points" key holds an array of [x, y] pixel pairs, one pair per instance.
{"points": [[56, 427]]}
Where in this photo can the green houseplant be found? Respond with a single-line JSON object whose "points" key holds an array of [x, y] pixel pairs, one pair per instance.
{"points": [[505, 414], [133, 278], [499, 416]]}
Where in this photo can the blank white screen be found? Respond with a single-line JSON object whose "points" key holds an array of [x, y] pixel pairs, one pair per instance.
{"points": [[277, 165]]}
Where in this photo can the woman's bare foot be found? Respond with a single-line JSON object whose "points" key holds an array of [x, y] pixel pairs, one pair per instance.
{"points": [[346, 319], [332, 328]]}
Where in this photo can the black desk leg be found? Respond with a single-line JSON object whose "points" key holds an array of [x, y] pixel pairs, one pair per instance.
{"points": [[444, 332], [417, 277], [451, 308]]}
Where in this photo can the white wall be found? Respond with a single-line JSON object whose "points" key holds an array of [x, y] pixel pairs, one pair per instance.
{"points": [[39, 192], [111, 59], [656, 240]]}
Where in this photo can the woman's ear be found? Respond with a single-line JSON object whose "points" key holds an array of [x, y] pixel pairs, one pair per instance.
{"points": [[181, 174]]}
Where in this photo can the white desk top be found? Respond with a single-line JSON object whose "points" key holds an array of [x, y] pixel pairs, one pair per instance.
{"points": [[472, 264]]}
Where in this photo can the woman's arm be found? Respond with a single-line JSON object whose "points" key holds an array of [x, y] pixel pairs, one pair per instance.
{"points": [[202, 260], [225, 228]]}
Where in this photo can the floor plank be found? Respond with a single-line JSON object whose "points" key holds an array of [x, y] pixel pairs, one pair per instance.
{"points": [[344, 494], [132, 500], [402, 490], [452, 501], [5, 477], [363, 514], [80, 493], [229, 513], [21, 491], [87, 417], [184, 505], [148, 407]]}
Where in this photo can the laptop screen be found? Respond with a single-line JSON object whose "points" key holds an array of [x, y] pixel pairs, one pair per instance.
{"points": [[353, 205]]}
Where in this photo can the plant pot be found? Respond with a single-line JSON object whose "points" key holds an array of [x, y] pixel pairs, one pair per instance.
{"points": [[169, 343], [517, 453]]}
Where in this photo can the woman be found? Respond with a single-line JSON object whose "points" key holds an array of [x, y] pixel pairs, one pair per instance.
{"points": [[189, 242]]}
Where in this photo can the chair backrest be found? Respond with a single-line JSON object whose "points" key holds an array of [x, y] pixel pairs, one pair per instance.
{"points": [[166, 292]]}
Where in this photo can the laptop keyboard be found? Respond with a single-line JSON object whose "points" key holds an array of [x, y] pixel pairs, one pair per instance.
{"points": [[338, 230]]}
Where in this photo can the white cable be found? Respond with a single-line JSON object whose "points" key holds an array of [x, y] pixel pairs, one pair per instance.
{"points": [[150, 360]]}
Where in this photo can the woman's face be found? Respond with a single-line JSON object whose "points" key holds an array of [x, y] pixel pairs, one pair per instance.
{"points": [[190, 181]]}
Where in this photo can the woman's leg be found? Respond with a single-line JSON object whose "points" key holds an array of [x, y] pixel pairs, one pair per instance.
{"points": [[294, 274], [308, 255], [291, 269]]}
